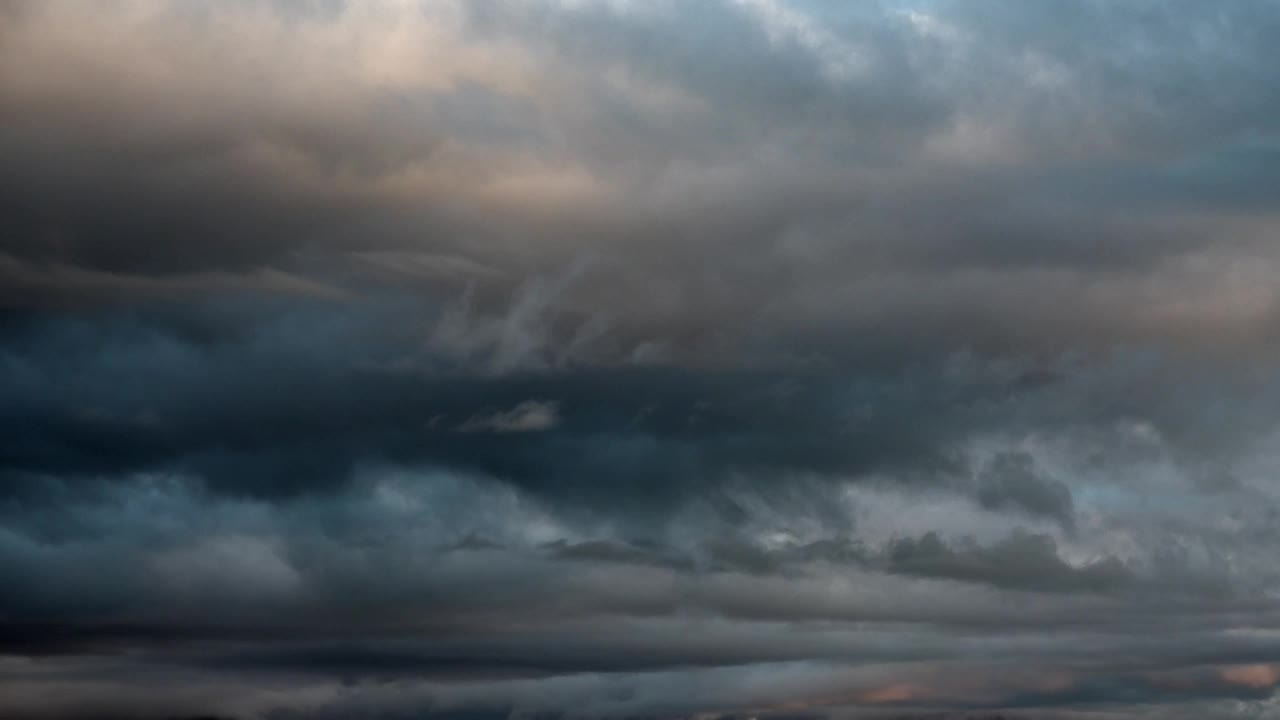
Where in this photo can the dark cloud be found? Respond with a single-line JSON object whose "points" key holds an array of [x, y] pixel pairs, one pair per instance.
{"points": [[1011, 481], [748, 358], [267, 416], [1023, 561]]}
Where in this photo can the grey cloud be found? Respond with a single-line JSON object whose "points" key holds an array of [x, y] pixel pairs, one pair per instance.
{"points": [[528, 416], [1011, 481], [1023, 561], [759, 358], [803, 210]]}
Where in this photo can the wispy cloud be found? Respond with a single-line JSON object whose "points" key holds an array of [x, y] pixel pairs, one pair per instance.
{"points": [[528, 416]]}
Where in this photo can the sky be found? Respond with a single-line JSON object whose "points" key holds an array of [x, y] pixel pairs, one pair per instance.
{"points": [[639, 360]]}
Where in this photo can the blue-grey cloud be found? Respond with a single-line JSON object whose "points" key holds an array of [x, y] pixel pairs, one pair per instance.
{"points": [[603, 359]]}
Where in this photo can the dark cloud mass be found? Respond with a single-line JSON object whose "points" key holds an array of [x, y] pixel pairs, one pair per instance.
{"points": [[607, 359]]}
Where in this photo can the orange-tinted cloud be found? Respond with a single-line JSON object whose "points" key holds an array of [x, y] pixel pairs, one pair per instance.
{"points": [[1254, 676]]}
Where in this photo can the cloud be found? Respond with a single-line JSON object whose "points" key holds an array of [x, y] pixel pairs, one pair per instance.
{"points": [[593, 358], [528, 416], [1011, 481], [1022, 561]]}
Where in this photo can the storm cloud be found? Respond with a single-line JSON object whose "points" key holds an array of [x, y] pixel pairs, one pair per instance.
{"points": [[606, 359]]}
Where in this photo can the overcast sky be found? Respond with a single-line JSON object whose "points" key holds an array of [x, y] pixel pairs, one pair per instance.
{"points": [[587, 359]]}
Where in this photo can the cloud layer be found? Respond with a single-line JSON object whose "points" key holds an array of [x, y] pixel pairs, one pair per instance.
{"points": [[605, 359]]}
